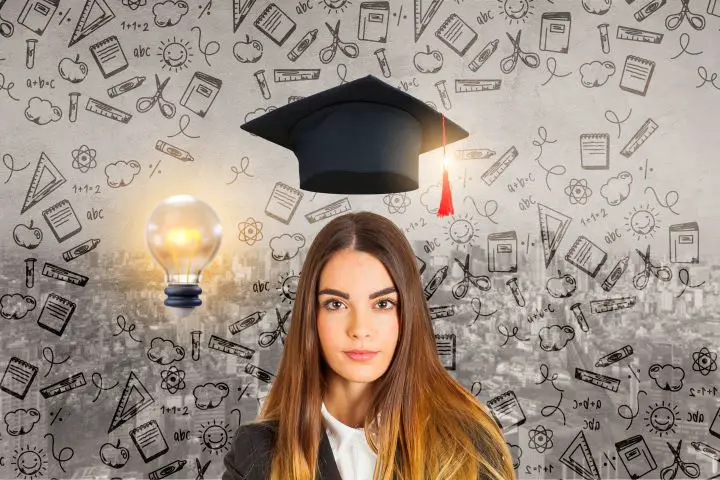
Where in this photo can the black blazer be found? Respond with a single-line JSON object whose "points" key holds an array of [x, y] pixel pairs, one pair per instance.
{"points": [[249, 456]]}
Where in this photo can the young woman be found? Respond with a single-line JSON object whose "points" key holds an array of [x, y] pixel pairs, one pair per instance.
{"points": [[335, 413]]}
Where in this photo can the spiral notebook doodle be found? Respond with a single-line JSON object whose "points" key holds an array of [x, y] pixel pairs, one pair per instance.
{"points": [[507, 410], [275, 23], [18, 377], [456, 34], [62, 220], [445, 344], [56, 314], [595, 151], [283, 202], [109, 56], [586, 256], [149, 441], [636, 74]]}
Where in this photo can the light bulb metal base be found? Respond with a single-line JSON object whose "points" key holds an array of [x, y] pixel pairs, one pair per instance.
{"points": [[183, 295]]}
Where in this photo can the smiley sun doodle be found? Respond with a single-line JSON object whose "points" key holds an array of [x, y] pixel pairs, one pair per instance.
{"points": [[642, 222], [215, 437], [175, 54], [29, 463]]}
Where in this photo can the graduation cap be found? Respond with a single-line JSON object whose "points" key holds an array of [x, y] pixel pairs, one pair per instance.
{"points": [[361, 137]]}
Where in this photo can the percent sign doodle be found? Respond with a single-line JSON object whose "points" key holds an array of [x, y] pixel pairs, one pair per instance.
{"points": [[205, 9], [157, 164]]}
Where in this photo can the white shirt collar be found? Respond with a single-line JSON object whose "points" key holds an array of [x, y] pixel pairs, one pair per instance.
{"points": [[339, 434]]}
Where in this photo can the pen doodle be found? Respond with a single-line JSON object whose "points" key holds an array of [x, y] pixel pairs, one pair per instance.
{"points": [[7, 87], [49, 357], [555, 169], [206, 49], [551, 65], [502, 329], [544, 370], [122, 322], [490, 207], [183, 122], [9, 163], [97, 380], [684, 42], [684, 276], [244, 162], [612, 117], [671, 199], [702, 72]]}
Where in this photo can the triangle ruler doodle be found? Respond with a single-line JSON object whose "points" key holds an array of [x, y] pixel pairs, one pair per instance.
{"points": [[133, 400], [45, 180], [241, 8], [423, 20], [553, 226], [578, 457], [95, 14]]}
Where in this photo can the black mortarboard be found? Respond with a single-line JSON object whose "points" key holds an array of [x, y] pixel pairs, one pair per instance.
{"points": [[361, 137]]}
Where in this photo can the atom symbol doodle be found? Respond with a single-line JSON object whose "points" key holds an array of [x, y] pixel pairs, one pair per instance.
{"points": [[84, 158], [540, 439], [578, 191], [173, 379], [250, 231], [396, 202], [704, 361]]}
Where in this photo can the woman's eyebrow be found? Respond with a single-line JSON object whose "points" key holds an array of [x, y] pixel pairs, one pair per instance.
{"points": [[332, 291]]}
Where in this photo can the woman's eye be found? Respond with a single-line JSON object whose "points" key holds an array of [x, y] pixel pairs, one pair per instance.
{"points": [[386, 301], [330, 302]]}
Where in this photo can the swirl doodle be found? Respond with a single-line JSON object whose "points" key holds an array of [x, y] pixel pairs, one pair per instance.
{"points": [[7, 88], [11, 165], [341, 72], [684, 276], [684, 42], [244, 162], [59, 456], [98, 382], [551, 65], [206, 50], [671, 199], [555, 169], [544, 370], [509, 334], [184, 122], [121, 322], [50, 358], [612, 117], [490, 207], [476, 305], [702, 72], [626, 412]]}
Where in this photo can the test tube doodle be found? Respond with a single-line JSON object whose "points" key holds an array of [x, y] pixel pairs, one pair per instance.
{"points": [[515, 289], [382, 60], [30, 272], [442, 90], [262, 82], [604, 37], [580, 317], [195, 344], [31, 43], [73, 106]]}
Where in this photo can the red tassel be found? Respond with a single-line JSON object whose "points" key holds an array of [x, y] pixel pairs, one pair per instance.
{"points": [[446, 205]]}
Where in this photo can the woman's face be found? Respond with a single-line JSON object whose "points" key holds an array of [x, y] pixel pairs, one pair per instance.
{"points": [[357, 309]]}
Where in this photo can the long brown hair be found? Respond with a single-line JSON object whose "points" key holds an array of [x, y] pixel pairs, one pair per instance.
{"points": [[440, 430]]}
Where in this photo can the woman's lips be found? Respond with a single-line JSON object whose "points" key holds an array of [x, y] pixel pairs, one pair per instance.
{"points": [[361, 357]]}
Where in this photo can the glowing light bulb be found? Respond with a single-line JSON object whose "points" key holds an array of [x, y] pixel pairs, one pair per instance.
{"points": [[183, 234]]}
